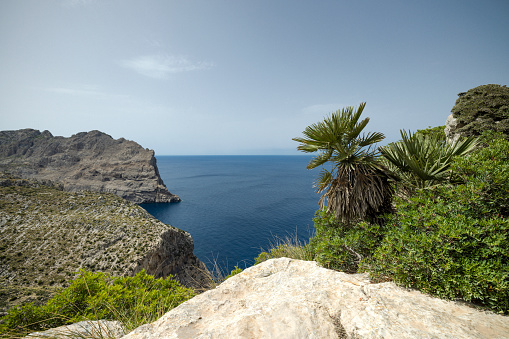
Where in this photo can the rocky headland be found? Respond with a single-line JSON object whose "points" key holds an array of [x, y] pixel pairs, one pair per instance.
{"points": [[47, 234], [92, 161]]}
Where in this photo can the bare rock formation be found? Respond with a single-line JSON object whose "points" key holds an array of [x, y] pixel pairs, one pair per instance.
{"points": [[285, 298], [91, 161], [451, 129]]}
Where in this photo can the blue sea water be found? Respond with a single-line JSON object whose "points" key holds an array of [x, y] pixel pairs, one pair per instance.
{"points": [[235, 206]]}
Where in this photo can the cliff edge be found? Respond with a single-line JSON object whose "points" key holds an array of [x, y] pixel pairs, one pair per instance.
{"points": [[286, 298], [48, 234], [92, 161]]}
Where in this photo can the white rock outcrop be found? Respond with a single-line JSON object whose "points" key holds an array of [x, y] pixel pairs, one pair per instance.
{"points": [[84, 329], [286, 298], [451, 129]]}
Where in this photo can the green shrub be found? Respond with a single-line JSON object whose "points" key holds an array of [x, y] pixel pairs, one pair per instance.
{"points": [[342, 246], [482, 108], [453, 241], [436, 245], [93, 296], [235, 271], [488, 170], [437, 132]]}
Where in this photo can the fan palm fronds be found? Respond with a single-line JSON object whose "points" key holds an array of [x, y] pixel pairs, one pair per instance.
{"points": [[358, 185], [425, 161]]}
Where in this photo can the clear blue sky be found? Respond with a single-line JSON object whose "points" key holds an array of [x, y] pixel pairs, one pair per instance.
{"points": [[241, 76]]}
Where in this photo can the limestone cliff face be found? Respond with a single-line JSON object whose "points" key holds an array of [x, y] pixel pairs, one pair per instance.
{"points": [[91, 161]]}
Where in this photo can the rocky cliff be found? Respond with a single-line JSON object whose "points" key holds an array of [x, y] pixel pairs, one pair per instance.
{"points": [[91, 161], [285, 298], [47, 234]]}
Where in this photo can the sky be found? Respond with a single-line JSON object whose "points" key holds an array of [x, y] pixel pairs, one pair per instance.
{"points": [[213, 77]]}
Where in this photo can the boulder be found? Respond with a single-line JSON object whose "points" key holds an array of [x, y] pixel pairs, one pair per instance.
{"points": [[451, 129], [286, 298], [92, 161]]}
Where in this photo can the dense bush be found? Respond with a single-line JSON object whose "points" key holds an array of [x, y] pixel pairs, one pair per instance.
{"points": [[453, 241], [93, 296], [343, 246], [488, 170], [483, 108], [437, 132]]}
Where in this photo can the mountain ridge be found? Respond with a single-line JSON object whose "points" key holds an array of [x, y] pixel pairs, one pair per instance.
{"points": [[91, 161]]}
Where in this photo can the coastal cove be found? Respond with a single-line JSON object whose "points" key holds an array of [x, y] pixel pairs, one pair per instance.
{"points": [[235, 206]]}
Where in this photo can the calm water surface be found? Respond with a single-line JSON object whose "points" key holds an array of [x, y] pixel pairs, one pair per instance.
{"points": [[234, 206]]}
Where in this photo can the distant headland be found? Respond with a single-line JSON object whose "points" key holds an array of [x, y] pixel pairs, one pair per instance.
{"points": [[91, 161]]}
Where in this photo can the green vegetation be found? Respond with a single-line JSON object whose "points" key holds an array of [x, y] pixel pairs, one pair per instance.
{"points": [[449, 240], [424, 160], [483, 108], [234, 272], [358, 186], [448, 236], [343, 246], [453, 241], [92, 296], [289, 247], [48, 234], [437, 132]]}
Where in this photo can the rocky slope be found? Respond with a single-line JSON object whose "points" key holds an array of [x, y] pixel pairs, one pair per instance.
{"points": [[91, 161], [47, 234], [285, 298]]}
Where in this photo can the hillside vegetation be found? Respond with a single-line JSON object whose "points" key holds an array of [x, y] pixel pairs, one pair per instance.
{"points": [[483, 108], [47, 235], [446, 231], [449, 240]]}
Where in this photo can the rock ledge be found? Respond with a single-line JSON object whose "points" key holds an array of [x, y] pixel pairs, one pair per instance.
{"points": [[285, 298]]}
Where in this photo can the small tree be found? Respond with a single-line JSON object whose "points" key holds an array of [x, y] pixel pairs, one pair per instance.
{"points": [[358, 185]]}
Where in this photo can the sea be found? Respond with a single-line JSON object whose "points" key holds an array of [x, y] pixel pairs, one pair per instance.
{"points": [[234, 207]]}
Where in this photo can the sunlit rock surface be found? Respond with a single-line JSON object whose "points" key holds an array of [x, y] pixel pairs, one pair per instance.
{"points": [[285, 298]]}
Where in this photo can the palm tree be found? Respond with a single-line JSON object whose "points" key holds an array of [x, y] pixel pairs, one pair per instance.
{"points": [[358, 186], [424, 160]]}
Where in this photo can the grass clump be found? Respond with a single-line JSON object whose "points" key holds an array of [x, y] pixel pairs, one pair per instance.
{"points": [[289, 247], [234, 272], [94, 296]]}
